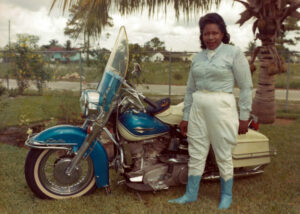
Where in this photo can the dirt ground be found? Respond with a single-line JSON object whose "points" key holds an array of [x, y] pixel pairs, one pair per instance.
{"points": [[17, 135]]}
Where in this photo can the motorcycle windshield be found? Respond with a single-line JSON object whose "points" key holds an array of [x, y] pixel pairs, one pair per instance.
{"points": [[115, 71]]}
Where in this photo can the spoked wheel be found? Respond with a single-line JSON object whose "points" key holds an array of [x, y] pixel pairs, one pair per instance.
{"points": [[45, 174]]}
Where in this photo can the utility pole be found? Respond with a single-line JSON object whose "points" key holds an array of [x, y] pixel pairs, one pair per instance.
{"points": [[9, 34], [8, 62]]}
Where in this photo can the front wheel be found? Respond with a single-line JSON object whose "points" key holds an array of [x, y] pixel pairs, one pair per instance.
{"points": [[45, 174]]}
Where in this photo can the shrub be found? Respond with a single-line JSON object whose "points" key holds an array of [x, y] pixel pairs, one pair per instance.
{"points": [[13, 92], [178, 76], [69, 110], [2, 89], [29, 64]]}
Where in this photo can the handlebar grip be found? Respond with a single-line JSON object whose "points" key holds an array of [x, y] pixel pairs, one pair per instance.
{"points": [[150, 102]]}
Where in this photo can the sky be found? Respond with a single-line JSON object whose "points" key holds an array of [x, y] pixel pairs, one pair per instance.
{"points": [[32, 17]]}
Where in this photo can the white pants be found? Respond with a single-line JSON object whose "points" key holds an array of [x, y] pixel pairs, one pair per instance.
{"points": [[213, 120]]}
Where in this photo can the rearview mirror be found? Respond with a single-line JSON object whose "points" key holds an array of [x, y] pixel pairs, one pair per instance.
{"points": [[136, 69]]}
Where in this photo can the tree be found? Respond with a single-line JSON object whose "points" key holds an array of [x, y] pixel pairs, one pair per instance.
{"points": [[84, 19], [68, 45], [251, 47], [155, 45], [53, 42], [29, 63], [269, 21], [185, 7]]}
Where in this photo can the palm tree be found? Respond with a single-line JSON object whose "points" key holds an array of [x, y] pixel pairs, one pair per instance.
{"points": [[84, 19], [128, 6], [269, 17]]}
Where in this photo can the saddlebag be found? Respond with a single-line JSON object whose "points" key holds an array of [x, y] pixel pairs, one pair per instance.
{"points": [[252, 149]]}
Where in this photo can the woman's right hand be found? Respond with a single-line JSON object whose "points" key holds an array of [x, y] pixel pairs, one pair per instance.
{"points": [[183, 127]]}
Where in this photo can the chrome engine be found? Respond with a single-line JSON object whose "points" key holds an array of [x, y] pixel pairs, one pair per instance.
{"points": [[153, 168]]}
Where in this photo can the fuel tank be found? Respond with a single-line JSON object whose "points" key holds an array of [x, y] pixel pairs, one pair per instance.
{"points": [[135, 126]]}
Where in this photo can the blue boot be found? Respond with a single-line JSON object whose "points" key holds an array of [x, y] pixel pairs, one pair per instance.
{"points": [[226, 193], [191, 192]]}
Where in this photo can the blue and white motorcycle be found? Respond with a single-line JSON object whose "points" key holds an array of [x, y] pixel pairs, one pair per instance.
{"points": [[149, 151]]}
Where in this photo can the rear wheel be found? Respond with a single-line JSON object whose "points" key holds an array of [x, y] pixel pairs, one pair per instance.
{"points": [[45, 174]]}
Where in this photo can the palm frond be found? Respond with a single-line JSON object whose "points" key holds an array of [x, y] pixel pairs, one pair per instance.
{"points": [[181, 7]]}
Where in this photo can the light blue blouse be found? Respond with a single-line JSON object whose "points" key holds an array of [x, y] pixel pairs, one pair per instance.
{"points": [[219, 73]]}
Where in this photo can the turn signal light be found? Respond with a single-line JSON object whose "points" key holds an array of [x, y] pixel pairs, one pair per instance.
{"points": [[89, 129]]}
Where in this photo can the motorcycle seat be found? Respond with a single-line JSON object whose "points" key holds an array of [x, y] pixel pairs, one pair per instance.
{"points": [[162, 104], [173, 115]]}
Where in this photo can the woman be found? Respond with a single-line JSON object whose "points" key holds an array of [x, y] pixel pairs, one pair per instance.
{"points": [[210, 114]]}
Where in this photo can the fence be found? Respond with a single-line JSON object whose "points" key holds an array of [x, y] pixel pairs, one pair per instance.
{"points": [[163, 68]]}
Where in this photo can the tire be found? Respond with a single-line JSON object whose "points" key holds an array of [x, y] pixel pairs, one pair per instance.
{"points": [[44, 173]]}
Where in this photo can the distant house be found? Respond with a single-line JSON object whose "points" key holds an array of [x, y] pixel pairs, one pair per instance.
{"points": [[75, 57], [60, 54], [91, 56], [295, 58], [181, 56], [57, 54], [157, 57], [58, 57]]}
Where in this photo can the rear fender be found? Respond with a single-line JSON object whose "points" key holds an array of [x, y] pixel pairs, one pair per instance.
{"points": [[74, 136]]}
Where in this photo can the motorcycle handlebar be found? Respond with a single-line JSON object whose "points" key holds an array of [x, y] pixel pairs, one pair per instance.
{"points": [[150, 102], [147, 100]]}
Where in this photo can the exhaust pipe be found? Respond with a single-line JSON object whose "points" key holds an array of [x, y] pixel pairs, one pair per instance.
{"points": [[215, 176]]}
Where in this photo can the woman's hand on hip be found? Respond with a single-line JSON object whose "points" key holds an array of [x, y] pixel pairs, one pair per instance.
{"points": [[183, 127], [243, 127]]}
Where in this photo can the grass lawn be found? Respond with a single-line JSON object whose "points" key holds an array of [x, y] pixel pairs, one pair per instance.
{"points": [[22, 110], [276, 191]]}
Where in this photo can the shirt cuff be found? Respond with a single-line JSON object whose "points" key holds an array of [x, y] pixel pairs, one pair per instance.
{"points": [[244, 115], [185, 116]]}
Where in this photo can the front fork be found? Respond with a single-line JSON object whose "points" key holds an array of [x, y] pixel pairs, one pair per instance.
{"points": [[84, 147], [96, 130]]}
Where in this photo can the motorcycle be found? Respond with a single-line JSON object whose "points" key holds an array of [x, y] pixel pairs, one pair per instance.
{"points": [[149, 151]]}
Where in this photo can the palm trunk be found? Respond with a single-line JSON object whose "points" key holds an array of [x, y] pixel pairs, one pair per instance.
{"points": [[264, 101]]}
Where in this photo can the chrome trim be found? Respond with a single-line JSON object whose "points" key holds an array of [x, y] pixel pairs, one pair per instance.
{"points": [[44, 145], [254, 155], [235, 174], [136, 179], [142, 130]]}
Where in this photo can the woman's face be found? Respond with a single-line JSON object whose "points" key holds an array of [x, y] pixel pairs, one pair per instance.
{"points": [[212, 36]]}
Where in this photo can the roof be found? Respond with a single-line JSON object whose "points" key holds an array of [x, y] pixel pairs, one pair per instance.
{"points": [[56, 48]]}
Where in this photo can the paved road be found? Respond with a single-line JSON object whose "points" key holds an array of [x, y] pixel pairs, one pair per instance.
{"points": [[280, 94]]}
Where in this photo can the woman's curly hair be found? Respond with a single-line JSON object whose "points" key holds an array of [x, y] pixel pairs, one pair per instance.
{"points": [[213, 18]]}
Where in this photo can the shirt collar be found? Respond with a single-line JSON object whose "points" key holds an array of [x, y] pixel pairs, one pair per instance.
{"points": [[211, 53], [217, 49]]}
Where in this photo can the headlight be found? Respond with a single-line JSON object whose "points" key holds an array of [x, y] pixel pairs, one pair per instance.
{"points": [[89, 102]]}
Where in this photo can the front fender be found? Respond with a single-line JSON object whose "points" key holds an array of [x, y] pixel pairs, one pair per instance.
{"points": [[73, 135]]}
